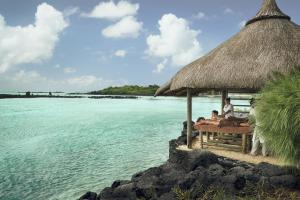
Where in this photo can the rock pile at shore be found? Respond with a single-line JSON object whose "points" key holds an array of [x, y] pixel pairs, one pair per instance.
{"points": [[194, 173]]}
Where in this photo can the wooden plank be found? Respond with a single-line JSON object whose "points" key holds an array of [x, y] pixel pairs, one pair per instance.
{"points": [[224, 96], [240, 98], [227, 142], [249, 143], [241, 111], [228, 137], [224, 145], [201, 139], [224, 148], [244, 143], [227, 129], [189, 118]]}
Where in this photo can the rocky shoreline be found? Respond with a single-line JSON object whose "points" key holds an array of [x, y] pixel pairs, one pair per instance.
{"points": [[203, 175]]}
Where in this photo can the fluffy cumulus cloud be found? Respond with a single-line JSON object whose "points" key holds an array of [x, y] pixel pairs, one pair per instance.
{"points": [[71, 11], [69, 70], [84, 81], [33, 43], [228, 11], [176, 42], [200, 15], [32, 80], [160, 66], [123, 14], [120, 53], [110, 10], [126, 27]]}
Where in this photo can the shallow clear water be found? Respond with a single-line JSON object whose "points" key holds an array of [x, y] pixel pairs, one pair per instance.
{"points": [[61, 148]]}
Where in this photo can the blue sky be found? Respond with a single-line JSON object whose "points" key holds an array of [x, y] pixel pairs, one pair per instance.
{"points": [[83, 45]]}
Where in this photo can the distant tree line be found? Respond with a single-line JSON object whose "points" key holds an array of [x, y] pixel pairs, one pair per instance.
{"points": [[128, 90]]}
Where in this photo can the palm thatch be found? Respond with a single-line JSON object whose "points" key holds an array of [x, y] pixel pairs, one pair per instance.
{"points": [[163, 89], [270, 42]]}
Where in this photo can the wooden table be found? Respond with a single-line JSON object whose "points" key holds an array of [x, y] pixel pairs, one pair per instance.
{"points": [[229, 137]]}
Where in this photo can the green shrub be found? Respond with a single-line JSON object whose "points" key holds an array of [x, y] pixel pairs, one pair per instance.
{"points": [[278, 113]]}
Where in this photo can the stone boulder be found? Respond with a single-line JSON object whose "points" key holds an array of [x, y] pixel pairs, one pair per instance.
{"points": [[197, 172], [266, 169], [89, 196]]}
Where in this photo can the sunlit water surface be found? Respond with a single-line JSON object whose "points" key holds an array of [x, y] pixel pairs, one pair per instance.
{"points": [[61, 148]]}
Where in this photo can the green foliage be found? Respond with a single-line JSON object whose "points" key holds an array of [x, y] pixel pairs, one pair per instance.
{"points": [[278, 113], [128, 90]]}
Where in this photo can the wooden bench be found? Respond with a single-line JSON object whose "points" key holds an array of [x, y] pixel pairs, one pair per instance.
{"points": [[227, 138]]}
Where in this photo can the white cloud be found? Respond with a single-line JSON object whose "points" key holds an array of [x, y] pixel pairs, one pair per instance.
{"points": [[242, 23], [110, 10], [228, 11], [33, 81], [33, 43], [69, 70], [26, 77], [70, 11], [128, 27], [176, 41], [120, 53], [83, 81], [200, 15], [57, 66], [160, 66]]}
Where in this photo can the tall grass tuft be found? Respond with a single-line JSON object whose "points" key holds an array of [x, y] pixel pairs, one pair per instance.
{"points": [[278, 113]]}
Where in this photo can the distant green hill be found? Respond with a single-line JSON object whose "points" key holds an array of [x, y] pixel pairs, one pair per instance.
{"points": [[128, 90]]}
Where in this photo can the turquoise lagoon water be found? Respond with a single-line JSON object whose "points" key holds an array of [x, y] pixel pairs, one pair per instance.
{"points": [[61, 148]]}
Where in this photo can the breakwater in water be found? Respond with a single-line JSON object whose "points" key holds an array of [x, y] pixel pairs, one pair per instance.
{"points": [[14, 96]]}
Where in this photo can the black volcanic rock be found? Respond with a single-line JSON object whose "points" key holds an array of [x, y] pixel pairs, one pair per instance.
{"points": [[267, 169], [197, 172], [89, 196]]}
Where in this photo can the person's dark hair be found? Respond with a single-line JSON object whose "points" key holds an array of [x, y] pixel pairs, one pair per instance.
{"points": [[200, 118], [228, 99], [215, 112]]}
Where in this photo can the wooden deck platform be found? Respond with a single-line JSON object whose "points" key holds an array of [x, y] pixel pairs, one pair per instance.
{"points": [[225, 138]]}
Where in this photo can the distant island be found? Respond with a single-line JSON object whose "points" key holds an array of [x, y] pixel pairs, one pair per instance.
{"points": [[128, 90], [122, 92]]}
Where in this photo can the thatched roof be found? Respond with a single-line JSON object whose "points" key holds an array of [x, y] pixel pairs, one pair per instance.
{"points": [[269, 42]]}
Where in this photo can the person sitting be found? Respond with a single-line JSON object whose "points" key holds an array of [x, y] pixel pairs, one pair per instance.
{"points": [[228, 110], [229, 118], [215, 115]]}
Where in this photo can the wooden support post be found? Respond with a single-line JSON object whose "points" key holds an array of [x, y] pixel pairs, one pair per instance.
{"points": [[224, 96], [189, 118], [249, 143], [201, 139], [244, 143]]}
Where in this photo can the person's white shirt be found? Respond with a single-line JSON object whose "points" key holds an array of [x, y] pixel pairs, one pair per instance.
{"points": [[228, 107]]}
